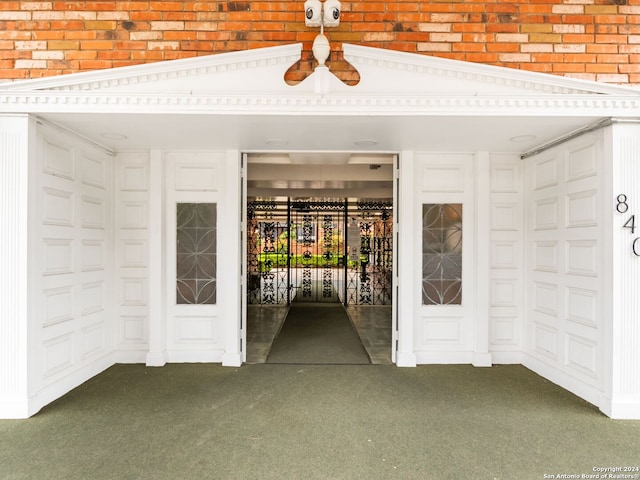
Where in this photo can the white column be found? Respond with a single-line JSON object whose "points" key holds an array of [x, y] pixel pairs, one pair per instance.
{"points": [[408, 233], [229, 262], [621, 396], [14, 160], [157, 355], [481, 356]]}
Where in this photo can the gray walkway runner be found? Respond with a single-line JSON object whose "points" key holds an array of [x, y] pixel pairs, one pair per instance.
{"points": [[318, 334]]}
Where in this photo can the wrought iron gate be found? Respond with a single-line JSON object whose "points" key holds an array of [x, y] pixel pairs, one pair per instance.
{"points": [[319, 250]]}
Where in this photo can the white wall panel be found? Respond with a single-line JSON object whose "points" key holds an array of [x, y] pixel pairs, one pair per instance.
{"points": [[204, 332], [92, 212], [197, 175], [503, 330], [582, 209], [93, 340], [506, 299], [58, 256], [92, 295], [133, 330], [505, 254], [545, 256], [132, 254], [505, 216], [546, 214], [72, 268], [134, 215], [58, 354], [446, 179], [195, 329], [582, 161], [582, 306], [505, 177], [545, 173], [545, 340], [58, 207], [93, 255], [441, 331], [582, 257], [545, 298], [58, 305], [133, 177], [93, 170], [134, 291], [58, 160], [564, 264], [504, 292]]}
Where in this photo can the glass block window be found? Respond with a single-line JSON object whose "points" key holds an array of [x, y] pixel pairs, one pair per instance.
{"points": [[442, 254], [196, 253]]}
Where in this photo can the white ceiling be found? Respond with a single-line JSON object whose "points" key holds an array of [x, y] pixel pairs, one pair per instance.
{"points": [[337, 133]]}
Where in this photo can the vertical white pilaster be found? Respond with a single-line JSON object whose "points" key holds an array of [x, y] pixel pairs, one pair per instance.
{"points": [[622, 337], [481, 356], [408, 232], [229, 265], [157, 356], [14, 159]]}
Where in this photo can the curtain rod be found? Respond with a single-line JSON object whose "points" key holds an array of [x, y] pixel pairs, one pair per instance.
{"points": [[577, 133]]}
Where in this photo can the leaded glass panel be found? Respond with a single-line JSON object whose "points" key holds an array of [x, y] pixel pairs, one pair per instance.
{"points": [[442, 254], [196, 253]]}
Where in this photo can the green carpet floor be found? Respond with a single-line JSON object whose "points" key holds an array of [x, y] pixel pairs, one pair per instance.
{"points": [[315, 334], [203, 421]]}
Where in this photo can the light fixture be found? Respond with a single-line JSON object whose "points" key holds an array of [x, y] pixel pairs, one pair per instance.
{"points": [[276, 142], [318, 14], [113, 136], [522, 138], [366, 142]]}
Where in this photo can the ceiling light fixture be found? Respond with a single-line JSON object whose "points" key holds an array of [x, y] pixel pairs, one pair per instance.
{"points": [[113, 136], [366, 143], [522, 138]]}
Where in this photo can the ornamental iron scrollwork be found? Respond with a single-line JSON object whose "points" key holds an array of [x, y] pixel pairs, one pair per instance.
{"points": [[442, 254], [307, 258], [196, 252]]}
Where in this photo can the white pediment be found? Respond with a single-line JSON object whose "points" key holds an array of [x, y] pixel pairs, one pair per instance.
{"points": [[382, 72]]}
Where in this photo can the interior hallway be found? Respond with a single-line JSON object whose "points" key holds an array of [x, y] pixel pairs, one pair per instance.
{"points": [[281, 422], [372, 324]]}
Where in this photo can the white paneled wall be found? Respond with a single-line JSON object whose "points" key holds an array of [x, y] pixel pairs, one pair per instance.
{"points": [[564, 262], [445, 333], [132, 255], [506, 299], [195, 332], [71, 271]]}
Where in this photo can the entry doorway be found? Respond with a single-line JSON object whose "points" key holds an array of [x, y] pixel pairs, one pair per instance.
{"points": [[319, 236]]}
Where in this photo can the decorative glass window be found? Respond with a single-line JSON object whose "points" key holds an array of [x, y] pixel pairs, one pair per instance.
{"points": [[442, 254], [196, 253]]}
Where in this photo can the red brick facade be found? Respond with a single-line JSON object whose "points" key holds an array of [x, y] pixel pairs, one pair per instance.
{"points": [[590, 39]]}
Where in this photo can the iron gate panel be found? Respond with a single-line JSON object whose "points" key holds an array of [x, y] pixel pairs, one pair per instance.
{"points": [[298, 250]]}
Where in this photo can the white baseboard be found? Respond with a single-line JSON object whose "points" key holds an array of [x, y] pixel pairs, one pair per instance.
{"points": [[620, 410], [583, 390], [405, 359], [194, 356], [64, 385], [439, 358]]}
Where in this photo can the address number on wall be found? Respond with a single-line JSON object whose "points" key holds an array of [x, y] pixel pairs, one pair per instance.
{"points": [[622, 207]]}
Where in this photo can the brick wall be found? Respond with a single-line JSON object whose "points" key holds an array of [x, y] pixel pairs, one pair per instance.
{"points": [[590, 39]]}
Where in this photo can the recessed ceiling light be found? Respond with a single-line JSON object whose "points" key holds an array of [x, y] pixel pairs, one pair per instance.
{"points": [[366, 143], [522, 138], [276, 142], [113, 136]]}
